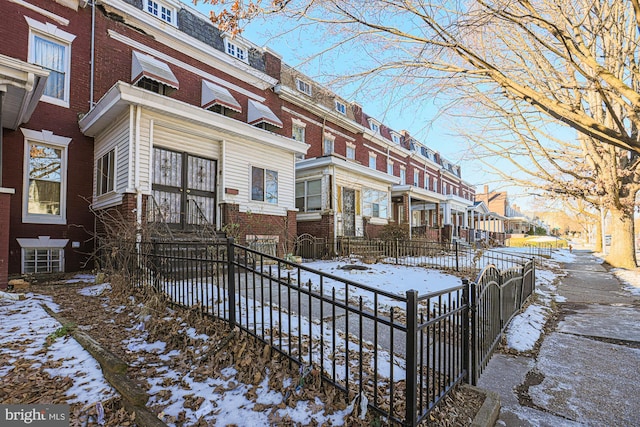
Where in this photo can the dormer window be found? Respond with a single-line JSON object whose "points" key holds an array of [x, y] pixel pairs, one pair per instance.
{"points": [[303, 86], [166, 13], [341, 108], [235, 49], [375, 126], [395, 138]]}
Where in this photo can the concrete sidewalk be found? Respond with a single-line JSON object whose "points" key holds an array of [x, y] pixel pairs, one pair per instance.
{"points": [[587, 371]]}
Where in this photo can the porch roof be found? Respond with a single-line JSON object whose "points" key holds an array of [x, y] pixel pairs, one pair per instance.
{"points": [[417, 193], [352, 167], [23, 85], [123, 95]]}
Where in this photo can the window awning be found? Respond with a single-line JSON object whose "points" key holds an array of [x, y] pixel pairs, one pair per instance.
{"points": [[212, 94], [147, 66], [258, 113]]}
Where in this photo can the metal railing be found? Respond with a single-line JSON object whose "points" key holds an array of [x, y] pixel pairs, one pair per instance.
{"points": [[402, 352], [421, 253]]}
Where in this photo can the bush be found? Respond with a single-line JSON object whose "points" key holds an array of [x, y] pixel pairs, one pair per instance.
{"points": [[393, 232]]}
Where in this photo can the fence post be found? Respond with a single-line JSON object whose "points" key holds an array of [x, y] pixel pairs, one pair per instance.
{"points": [[466, 329], [457, 258], [473, 311], [397, 251], [412, 358], [231, 282]]}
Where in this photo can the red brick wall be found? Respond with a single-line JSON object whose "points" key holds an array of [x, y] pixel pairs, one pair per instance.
{"points": [[4, 239], [322, 228], [258, 224], [59, 120]]}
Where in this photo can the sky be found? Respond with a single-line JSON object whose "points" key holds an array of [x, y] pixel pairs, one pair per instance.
{"points": [[25, 325]]}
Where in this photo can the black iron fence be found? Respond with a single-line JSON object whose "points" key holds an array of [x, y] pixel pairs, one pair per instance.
{"points": [[453, 256], [400, 353]]}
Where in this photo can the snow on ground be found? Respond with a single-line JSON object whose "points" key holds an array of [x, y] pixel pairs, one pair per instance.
{"points": [[630, 278], [526, 328], [26, 326]]}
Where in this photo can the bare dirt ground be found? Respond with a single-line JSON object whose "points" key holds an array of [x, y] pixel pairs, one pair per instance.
{"points": [[111, 318]]}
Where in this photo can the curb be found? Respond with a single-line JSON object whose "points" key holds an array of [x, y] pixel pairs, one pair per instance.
{"points": [[114, 369], [490, 409]]}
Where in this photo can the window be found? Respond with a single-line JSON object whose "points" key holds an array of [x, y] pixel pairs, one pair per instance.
{"points": [[416, 178], [435, 185], [45, 177], [309, 195], [403, 176], [426, 181], [351, 151], [237, 51], [390, 168], [341, 108], [50, 47], [395, 138], [264, 185], [42, 255], [105, 171], [375, 203], [328, 144], [297, 132], [372, 161], [375, 126], [167, 14], [42, 260], [303, 86]]}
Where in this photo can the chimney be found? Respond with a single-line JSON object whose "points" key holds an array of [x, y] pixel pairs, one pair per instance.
{"points": [[486, 189]]}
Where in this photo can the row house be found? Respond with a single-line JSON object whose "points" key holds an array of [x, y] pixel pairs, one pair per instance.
{"points": [[359, 175], [139, 108], [143, 111]]}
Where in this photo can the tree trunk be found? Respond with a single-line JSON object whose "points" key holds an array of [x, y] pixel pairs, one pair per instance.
{"points": [[622, 253], [598, 247]]}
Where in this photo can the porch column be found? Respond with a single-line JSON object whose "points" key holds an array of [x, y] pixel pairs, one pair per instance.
{"points": [[447, 213], [465, 218]]}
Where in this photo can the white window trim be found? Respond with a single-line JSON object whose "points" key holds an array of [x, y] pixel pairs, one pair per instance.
{"points": [[100, 155], [375, 126], [352, 147], [45, 137], [174, 12], [328, 137], [264, 185], [341, 107], [42, 242], [51, 31], [390, 167], [416, 178], [403, 175], [395, 138], [373, 156], [306, 87], [229, 41]]}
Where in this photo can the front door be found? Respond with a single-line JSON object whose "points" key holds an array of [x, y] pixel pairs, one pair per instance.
{"points": [[184, 188], [349, 212]]}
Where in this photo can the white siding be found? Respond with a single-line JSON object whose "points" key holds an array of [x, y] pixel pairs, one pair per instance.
{"points": [[241, 156], [115, 136]]}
